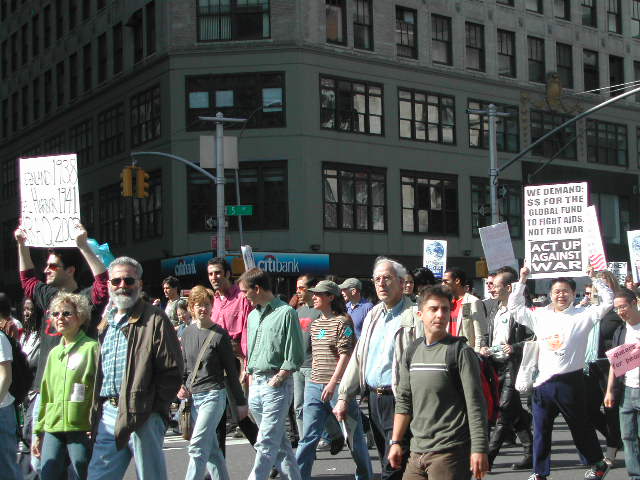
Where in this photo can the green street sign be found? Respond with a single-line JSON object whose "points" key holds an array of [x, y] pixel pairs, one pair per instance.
{"points": [[237, 210]]}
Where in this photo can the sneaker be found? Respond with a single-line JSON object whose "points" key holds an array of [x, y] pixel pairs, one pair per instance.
{"points": [[323, 446], [337, 444], [274, 473], [525, 464], [598, 471], [609, 461], [535, 476]]}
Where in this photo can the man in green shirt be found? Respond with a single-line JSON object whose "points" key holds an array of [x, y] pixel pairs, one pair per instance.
{"points": [[445, 408], [274, 352]]}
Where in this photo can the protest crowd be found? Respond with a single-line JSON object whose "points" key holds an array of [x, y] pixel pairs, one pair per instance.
{"points": [[432, 376]]}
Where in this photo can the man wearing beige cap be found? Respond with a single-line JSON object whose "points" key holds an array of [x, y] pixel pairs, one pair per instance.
{"points": [[357, 307]]}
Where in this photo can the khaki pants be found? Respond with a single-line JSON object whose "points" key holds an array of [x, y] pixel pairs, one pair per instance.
{"points": [[452, 464]]}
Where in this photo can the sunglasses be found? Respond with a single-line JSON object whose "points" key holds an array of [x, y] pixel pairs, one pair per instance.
{"points": [[127, 281], [65, 314], [53, 266]]}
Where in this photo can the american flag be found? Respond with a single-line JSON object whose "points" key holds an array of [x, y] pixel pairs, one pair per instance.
{"points": [[598, 262]]}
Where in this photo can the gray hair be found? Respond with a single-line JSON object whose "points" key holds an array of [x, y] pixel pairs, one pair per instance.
{"points": [[128, 261], [401, 272], [79, 302]]}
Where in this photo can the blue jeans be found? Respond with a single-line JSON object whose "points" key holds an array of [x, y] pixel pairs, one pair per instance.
{"points": [[270, 406], [300, 379], [35, 461], [204, 451], [630, 428], [145, 446], [55, 448], [316, 413], [9, 444]]}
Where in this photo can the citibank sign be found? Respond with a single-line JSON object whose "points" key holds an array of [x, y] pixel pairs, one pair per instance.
{"points": [[292, 263]]}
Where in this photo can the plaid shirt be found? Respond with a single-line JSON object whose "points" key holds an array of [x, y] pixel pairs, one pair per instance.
{"points": [[114, 355]]}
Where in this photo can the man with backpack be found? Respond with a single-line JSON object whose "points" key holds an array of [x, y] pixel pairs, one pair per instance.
{"points": [[439, 396], [8, 422]]}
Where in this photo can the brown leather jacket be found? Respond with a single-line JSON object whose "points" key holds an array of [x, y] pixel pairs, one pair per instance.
{"points": [[153, 374]]}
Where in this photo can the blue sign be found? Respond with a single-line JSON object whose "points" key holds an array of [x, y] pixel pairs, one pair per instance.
{"points": [[186, 265], [291, 263]]}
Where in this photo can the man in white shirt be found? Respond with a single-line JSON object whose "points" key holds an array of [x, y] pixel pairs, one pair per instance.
{"points": [[561, 330], [625, 389], [8, 425]]}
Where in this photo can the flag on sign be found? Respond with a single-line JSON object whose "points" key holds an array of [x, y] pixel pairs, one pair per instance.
{"points": [[593, 240], [598, 262]]}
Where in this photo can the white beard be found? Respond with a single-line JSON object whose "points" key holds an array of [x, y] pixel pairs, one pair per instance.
{"points": [[124, 302]]}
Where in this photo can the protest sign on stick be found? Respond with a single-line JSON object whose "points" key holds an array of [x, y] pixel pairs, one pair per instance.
{"points": [[619, 270], [624, 358], [434, 256], [497, 246], [554, 218], [49, 200], [633, 239], [593, 240]]}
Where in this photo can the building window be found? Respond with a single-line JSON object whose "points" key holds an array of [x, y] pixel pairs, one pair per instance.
{"points": [[475, 56], [534, 5], [5, 119], [429, 117], [506, 53], [564, 59], [46, 31], [14, 52], [88, 213], [137, 32], [112, 215], [505, 2], [10, 259], [14, 112], [87, 67], [441, 40], [59, 20], [616, 74], [336, 21], [9, 179], [407, 32], [638, 144], [429, 203], [562, 9], [117, 48], [111, 132], [100, 4], [73, 14], [145, 116], [589, 17], [562, 144], [233, 20], [86, 9], [614, 216], [606, 143], [147, 212], [25, 106], [509, 206], [262, 184], [24, 34], [73, 76], [4, 60], [48, 95], [591, 70], [354, 197], [35, 35], [537, 69], [102, 58], [237, 95], [506, 127], [363, 25], [636, 74], [81, 142], [614, 17], [351, 106], [36, 99], [60, 83], [55, 144], [635, 18], [150, 9]]}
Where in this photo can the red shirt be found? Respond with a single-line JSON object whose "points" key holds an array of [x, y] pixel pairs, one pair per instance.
{"points": [[456, 304], [231, 313]]}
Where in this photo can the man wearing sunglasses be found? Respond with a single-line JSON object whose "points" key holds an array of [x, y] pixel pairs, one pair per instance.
{"points": [[60, 272]]}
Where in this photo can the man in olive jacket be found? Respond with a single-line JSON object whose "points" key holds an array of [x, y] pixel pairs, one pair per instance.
{"points": [[139, 374]]}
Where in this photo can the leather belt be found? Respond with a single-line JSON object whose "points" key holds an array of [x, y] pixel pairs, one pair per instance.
{"points": [[380, 391]]}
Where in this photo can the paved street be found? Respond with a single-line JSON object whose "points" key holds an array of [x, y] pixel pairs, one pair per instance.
{"points": [[240, 456]]}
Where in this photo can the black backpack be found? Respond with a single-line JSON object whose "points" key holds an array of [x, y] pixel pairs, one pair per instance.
{"points": [[21, 375]]}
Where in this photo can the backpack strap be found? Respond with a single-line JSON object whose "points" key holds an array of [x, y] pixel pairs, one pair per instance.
{"points": [[454, 347], [411, 350]]}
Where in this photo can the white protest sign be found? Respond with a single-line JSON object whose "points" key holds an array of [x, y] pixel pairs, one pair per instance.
{"points": [[497, 246], [619, 270], [593, 240], [49, 200], [554, 229], [247, 257], [434, 256], [633, 238]]}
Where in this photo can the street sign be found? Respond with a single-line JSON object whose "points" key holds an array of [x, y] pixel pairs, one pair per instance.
{"points": [[237, 210]]}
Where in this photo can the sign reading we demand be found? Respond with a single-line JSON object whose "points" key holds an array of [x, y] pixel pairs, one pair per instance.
{"points": [[554, 218]]}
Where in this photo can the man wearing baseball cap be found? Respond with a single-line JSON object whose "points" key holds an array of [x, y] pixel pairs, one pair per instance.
{"points": [[357, 307]]}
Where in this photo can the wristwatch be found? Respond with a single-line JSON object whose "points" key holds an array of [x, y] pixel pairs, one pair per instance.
{"points": [[394, 442]]}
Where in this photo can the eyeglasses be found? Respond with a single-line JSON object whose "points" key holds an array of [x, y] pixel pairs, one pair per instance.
{"points": [[127, 281], [53, 266], [65, 314], [621, 308], [383, 280]]}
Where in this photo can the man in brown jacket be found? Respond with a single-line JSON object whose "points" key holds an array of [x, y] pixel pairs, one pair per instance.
{"points": [[139, 374]]}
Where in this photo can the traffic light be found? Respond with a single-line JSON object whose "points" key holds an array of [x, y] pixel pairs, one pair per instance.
{"points": [[142, 184], [127, 181]]}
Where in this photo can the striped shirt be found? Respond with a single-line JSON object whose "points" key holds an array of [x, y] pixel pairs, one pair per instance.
{"points": [[330, 338], [114, 354]]}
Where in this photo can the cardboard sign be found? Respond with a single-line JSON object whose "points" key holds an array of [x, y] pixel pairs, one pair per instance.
{"points": [[593, 240], [49, 200], [497, 246], [554, 218], [619, 270], [434, 256], [624, 358], [247, 256], [633, 239]]}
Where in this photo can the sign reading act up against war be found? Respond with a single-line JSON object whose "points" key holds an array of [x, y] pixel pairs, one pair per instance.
{"points": [[554, 217], [50, 204]]}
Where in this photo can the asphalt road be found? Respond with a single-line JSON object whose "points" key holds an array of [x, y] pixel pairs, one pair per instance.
{"points": [[565, 463]]}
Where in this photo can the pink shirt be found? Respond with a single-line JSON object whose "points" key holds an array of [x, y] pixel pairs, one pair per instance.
{"points": [[231, 313]]}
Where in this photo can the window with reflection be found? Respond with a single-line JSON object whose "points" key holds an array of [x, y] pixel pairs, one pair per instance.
{"points": [[427, 116], [429, 203]]}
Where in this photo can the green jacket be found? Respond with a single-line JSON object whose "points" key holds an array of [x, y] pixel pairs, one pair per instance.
{"points": [[66, 392]]}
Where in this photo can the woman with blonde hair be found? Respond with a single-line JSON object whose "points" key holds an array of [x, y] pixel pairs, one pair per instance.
{"points": [[66, 391]]}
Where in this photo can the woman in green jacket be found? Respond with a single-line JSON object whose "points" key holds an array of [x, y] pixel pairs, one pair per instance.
{"points": [[66, 391]]}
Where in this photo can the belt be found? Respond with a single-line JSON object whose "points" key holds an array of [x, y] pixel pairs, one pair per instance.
{"points": [[113, 401], [380, 391]]}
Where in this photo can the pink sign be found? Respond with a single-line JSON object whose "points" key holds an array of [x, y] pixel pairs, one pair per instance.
{"points": [[624, 358]]}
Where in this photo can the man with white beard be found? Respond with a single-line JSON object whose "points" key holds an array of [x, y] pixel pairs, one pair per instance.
{"points": [[139, 373]]}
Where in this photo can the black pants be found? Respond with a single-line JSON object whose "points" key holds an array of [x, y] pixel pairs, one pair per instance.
{"points": [[381, 412], [607, 423]]}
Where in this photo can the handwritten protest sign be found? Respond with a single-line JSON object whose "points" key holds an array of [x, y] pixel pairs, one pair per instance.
{"points": [[497, 246], [593, 240], [434, 256], [619, 270], [49, 200], [633, 238], [554, 229], [624, 358]]}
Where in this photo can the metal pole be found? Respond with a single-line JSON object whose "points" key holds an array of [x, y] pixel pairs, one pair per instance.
{"points": [[220, 182], [238, 203], [493, 164]]}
